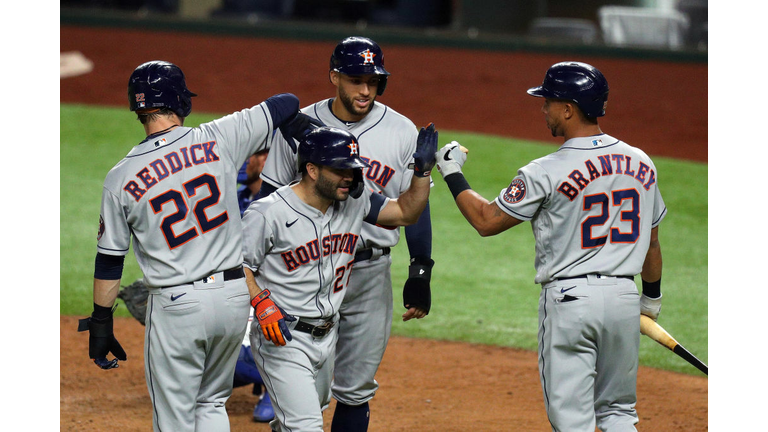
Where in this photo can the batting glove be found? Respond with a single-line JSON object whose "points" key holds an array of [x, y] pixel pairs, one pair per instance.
{"points": [[450, 159], [297, 127], [101, 339], [426, 146], [416, 292], [650, 307], [272, 319]]}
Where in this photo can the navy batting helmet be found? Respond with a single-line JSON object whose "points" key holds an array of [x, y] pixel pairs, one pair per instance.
{"points": [[336, 148], [159, 84], [357, 55], [577, 82]]}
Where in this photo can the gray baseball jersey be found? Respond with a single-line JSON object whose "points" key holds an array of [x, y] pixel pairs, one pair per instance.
{"points": [[304, 257], [176, 193], [601, 195], [592, 205], [301, 255], [387, 142]]}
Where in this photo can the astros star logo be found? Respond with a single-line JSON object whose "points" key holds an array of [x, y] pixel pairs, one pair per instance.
{"points": [[368, 56], [353, 149], [515, 192]]}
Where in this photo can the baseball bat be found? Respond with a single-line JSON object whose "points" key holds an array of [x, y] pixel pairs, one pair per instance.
{"points": [[653, 330]]}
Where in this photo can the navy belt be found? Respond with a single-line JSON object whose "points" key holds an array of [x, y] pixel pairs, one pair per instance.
{"points": [[598, 275], [317, 331], [231, 274], [367, 254]]}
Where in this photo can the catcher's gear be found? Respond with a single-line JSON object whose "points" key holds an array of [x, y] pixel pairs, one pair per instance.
{"points": [[272, 319], [159, 84], [101, 340], [577, 82], [416, 292], [650, 307], [426, 146], [336, 148], [135, 298], [450, 159], [297, 127], [357, 55]]}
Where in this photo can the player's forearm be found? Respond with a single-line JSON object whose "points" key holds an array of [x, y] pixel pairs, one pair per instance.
{"points": [[105, 292], [413, 201], [479, 213], [250, 280]]}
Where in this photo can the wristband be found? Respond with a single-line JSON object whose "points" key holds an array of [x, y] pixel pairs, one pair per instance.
{"points": [[652, 289], [456, 183], [259, 297]]}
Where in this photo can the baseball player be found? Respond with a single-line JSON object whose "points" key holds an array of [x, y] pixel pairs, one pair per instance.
{"points": [[175, 195], [249, 181], [300, 244], [387, 143], [595, 208]]}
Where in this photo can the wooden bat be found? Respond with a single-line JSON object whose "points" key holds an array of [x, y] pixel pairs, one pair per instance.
{"points": [[653, 330]]}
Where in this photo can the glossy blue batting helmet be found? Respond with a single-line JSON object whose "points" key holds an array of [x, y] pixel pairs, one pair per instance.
{"points": [[357, 55], [577, 82], [159, 84], [336, 148]]}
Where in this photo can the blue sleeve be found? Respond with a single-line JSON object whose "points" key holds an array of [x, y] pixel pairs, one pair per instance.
{"points": [[419, 235], [108, 267], [282, 107], [377, 201], [265, 190]]}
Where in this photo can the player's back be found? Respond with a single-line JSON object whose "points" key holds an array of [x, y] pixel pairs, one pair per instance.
{"points": [[603, 202], [178, 195]]}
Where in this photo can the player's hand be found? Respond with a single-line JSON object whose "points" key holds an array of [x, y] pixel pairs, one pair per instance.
{"points": [[417, 297], [650, 307], [101, 341], [451, 158], [297, 127], [426, 146], [272, 319]]}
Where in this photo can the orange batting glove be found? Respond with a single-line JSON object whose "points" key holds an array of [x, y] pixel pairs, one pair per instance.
{"points": [[272, 319]]}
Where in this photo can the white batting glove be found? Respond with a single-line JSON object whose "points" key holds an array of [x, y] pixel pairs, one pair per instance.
{"points": [[650, 306], [450, 158]]}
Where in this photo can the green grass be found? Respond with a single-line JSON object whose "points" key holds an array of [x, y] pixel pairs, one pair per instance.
{"points": [[482, 288]]}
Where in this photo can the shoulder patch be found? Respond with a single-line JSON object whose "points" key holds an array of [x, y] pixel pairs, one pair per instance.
{"points": [[515, 192], [101, 228]]}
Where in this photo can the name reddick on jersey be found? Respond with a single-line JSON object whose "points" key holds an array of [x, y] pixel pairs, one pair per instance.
{"points": [[169, 164]]}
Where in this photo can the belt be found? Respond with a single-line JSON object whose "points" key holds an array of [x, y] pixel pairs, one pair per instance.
{"points": [[598, 275], [231, 274], [317, 331], [367, 254]]}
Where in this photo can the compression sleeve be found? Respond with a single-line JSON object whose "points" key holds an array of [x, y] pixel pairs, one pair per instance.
{"points": [[108, 267], [282, 107], [419, 235]]}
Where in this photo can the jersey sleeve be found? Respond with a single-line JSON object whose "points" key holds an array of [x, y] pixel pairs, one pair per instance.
{"points": [[257, 238], [114, 236], [659, 208], [280, 166], [527, 192]]}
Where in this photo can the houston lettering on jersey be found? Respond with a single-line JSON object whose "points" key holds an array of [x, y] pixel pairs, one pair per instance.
{"points": [[170, 164], [331, 244], [377, 172], [613, 164]]}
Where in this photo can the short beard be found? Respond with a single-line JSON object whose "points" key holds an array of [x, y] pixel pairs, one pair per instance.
{"points": [[349, 104], [327, 189]]}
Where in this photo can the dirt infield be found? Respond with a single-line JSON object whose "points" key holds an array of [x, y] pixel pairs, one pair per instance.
{"points": [[447, 386]]}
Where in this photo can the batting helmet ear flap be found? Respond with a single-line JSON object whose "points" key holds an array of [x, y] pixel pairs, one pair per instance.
{"points": [[356, 188]]}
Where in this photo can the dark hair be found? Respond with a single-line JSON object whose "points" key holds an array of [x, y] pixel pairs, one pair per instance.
{"points": [[145, 117]]}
